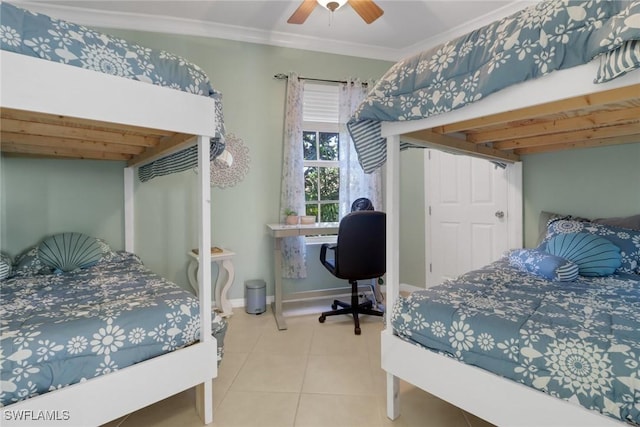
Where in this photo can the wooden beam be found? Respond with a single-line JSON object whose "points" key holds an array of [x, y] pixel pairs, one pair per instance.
{"points": [[166, 146], [45, 129], [587, 121], [31, 116], [567, 137], [68, 143], [585, 101], [602, 142], [61, 152], [428, 138]]}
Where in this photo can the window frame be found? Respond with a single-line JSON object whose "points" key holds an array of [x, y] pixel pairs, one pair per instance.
{"points": [[321, 127]]}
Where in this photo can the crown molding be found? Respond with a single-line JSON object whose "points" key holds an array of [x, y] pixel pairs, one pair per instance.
{"points": [[171, 25]]}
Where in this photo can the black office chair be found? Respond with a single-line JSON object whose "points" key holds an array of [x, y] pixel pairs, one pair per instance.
{"points": [[359, 254]]}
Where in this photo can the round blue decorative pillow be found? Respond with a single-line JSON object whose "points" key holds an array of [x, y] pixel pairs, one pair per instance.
{"points": [[594, 255], [69, 251]]}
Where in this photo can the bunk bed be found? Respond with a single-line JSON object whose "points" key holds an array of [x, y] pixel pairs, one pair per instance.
{"points": [[57, 110], [438, 99]]}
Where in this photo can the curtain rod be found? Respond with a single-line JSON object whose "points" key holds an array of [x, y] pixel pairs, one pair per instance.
{"points": [[282, 76]]}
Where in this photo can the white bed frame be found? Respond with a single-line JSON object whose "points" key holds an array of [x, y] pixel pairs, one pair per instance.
{"points": [[34, 85], [489, 396]]}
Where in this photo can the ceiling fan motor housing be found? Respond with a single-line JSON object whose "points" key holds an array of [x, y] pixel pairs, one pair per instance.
{"points": [[333, 5]]}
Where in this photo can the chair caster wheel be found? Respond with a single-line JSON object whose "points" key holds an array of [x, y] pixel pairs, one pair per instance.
{"points": [[321, 319], [334, 307], [357, 331]]}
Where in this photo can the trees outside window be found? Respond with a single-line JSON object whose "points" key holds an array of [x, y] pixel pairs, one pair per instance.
{"points": [[321, 173]]}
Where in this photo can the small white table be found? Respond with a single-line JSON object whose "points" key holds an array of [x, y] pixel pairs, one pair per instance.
{"points": [[223, 281]]}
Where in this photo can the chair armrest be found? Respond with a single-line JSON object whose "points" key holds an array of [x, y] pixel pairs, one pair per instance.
{"points": [[323, 250], [323, 256]]}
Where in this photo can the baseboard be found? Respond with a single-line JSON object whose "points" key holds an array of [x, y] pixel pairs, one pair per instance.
{"points": [[308, 295]]}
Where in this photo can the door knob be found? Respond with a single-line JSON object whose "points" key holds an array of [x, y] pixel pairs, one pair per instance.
{"points": [[499, 214]]}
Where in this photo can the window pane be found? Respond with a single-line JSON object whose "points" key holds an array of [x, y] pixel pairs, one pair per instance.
{"points": [[310, 184], [312, 210], [309, 145], [329, 183], [328, 146], [329, 212]]}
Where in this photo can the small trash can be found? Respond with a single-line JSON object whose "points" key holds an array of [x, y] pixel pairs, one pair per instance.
{"points": [[255, 293]]}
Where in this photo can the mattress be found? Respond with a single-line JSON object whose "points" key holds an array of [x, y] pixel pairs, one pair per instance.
{"points": [[579, 341], [61, 329]]}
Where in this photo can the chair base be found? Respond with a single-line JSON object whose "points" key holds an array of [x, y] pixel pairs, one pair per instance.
{"points": [[354, 309]]}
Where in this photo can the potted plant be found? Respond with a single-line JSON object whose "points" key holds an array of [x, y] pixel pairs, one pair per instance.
{"points": [[291, 217]]}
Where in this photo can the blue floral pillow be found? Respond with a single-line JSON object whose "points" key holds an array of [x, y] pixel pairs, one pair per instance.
{"points": [[543, 264], [626, 239], [29, 264]]}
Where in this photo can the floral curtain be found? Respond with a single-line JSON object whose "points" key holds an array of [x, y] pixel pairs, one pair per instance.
{"points": [[292, 196], [354, 183]]}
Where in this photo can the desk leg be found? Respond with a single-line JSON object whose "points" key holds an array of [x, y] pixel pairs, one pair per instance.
{"points": [[192, 274], [222, 303], [276, 306]]}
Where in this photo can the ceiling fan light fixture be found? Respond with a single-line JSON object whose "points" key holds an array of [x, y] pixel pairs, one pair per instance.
{"points": [[332, 5]]}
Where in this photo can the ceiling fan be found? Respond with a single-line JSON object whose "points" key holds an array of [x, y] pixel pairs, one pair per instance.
{"points": [[367, 9]]}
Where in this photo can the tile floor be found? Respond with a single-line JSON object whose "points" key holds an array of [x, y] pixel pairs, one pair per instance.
{"points": [[312, 374]]}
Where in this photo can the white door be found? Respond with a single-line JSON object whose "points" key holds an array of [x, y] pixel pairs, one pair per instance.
{"points": [[474, 213]]}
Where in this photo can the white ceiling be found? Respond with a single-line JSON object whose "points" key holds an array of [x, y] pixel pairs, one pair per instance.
{"points": [[405, 28]]}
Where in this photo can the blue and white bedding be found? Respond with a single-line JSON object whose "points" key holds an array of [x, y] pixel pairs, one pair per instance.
{"points": [[61, 329], [576, 340], [41, 36], [551, 35]]}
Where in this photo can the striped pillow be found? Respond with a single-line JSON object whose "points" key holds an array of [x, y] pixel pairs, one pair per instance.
{"points": [[619, 61], [594, 255], [5, 266], [69, 251], [544, 265]]}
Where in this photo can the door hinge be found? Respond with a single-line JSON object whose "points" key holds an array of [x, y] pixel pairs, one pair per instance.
{"points": [[430, 268], [429, 210]]}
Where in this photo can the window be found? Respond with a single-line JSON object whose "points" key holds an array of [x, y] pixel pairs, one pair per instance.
{"points": [[321, 147]]}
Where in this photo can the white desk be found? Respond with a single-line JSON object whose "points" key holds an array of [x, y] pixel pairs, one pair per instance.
{"points": [[223, 259], [278, 231]]}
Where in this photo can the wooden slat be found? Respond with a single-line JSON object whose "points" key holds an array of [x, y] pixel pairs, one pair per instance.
{"points": [[601, 142], [31, 116], [45, 129], [431, 139], [62, 152], [55, 142], [166, 146], [587, 121], [591, 100], [566, 137]]}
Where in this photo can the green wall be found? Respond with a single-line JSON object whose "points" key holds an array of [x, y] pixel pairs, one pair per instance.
{"points": [[591, 182], [40, 197], [412, 218]]}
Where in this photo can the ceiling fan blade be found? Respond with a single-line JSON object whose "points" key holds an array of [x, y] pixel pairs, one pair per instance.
{"points": [[367, 9], [302, 12]]}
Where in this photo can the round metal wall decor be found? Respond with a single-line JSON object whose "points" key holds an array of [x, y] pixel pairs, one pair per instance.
{"points": [[223, 174]]}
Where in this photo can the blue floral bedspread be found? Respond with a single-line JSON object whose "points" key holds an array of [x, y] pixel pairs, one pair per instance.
{"points": [[60, 329], [578, 341], [41, 36], [548, 36]]}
